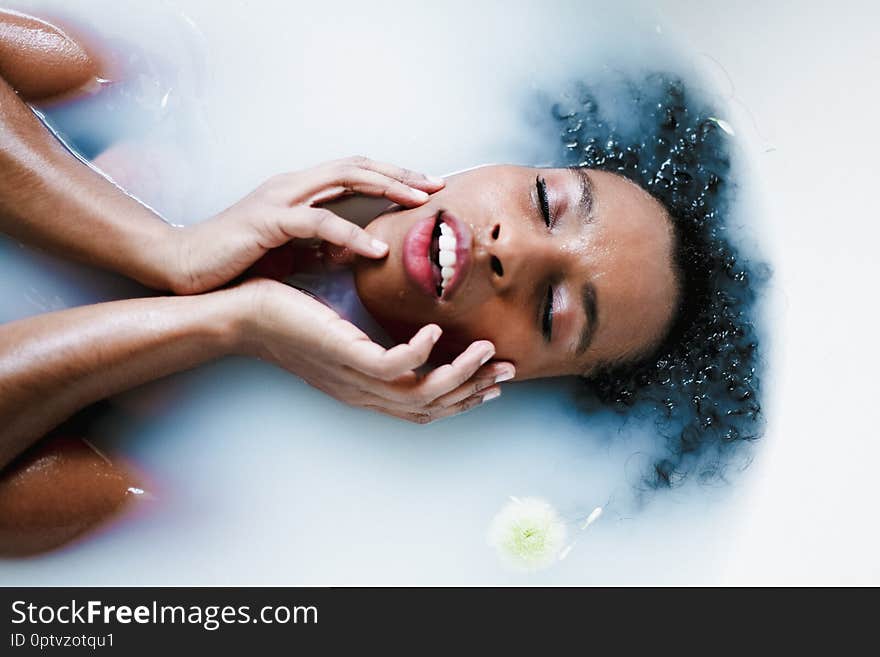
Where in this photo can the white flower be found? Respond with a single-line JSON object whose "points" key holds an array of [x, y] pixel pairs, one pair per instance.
{"points": [[528, 533]]}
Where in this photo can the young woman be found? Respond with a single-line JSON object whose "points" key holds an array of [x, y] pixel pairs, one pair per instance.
{"points": [[494, 273]]}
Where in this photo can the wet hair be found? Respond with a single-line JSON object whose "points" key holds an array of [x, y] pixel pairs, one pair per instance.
{"points": [[701, 385]]}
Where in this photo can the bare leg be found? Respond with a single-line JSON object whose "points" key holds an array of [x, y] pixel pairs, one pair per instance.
{"points": [[40, 60], [56, 492]]}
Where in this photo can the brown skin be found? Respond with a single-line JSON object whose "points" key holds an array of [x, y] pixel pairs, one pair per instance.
{"points": [[61, 488], [44, 503], [623, 248], [53, 365], [44, 182], [74, 358], [40, 60]]}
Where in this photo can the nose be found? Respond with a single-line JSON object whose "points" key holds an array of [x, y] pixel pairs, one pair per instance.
{"points": [[511, 255]]}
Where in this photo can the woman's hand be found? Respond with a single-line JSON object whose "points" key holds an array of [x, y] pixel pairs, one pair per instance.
{"points": [[302, 335], [205, 256]]}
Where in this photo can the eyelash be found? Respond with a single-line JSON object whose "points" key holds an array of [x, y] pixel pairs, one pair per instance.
{"points": [[543, 201], [547, 312], [547, 315]]}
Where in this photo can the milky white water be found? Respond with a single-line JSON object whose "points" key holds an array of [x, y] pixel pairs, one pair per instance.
{"points": [[261, 480]]}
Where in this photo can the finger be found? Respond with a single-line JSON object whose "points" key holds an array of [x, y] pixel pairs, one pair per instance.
{"points": [[486, 377], [305, 223], [447, 378], [332, 180], [387, 364], [350, 179], [406, 176], [409, 416], [427, 416], [386, 392], [467, 404]]}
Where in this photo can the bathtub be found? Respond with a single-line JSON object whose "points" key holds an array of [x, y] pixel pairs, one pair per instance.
{"points": [[258, 479]]}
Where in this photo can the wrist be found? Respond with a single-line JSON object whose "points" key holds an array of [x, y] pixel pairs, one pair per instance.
{"points": [[244, 311], [155, 259], [221, 323], [184, 264]]}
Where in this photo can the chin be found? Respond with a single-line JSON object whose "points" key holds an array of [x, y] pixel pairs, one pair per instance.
{"points": [[388, 304], [373, 281], [382, 285]]}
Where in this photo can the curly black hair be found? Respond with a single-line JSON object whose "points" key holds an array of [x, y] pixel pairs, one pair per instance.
{"points": [[701, 384]]}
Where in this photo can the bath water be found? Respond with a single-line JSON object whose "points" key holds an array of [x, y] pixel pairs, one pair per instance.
{"points": [[255, 478]]}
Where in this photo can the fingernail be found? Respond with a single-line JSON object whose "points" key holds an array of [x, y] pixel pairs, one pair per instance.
{"points": [[436, 332], [487, 356], [434, 180], [492, 394], [419, 194], [379, 246], [506, 375]]}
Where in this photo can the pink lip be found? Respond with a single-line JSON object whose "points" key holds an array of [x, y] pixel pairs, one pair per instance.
{"points": [[417, 251]]}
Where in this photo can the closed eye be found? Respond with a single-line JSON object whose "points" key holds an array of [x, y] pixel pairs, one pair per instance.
{"points": [[547, 315], [543, 200]]}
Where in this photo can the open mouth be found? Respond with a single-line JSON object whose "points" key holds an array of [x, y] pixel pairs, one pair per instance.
{"points": [[437, 254], [442, 254]]}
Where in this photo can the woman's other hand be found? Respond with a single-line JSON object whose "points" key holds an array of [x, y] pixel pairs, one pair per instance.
{"points": [[207, 255], [302, 335]]}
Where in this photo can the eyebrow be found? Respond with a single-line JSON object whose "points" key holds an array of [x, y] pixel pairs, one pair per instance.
{"points": [[588, 297], [585, 202], [588, 294]]}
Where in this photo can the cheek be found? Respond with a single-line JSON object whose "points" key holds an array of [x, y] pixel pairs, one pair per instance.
{"points": [[385, 229], [382, 288], [503, 325]]}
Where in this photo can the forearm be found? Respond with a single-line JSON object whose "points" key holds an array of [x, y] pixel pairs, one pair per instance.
{"points": [[55, 364], [50, 199]]}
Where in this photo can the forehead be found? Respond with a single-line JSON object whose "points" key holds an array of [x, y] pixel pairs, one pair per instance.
{"points": [[629, 262]]}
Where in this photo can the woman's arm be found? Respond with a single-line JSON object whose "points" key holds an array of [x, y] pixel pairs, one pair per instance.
{"points": [[55, 364], [48, 198], [52, 365]]}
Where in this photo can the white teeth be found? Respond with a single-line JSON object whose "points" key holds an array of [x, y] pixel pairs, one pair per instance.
{"points": [[446, 255], [447, 242], [447, 258]]}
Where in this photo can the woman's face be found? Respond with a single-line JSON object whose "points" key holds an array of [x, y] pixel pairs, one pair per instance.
{"points": [[562, 269]]}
